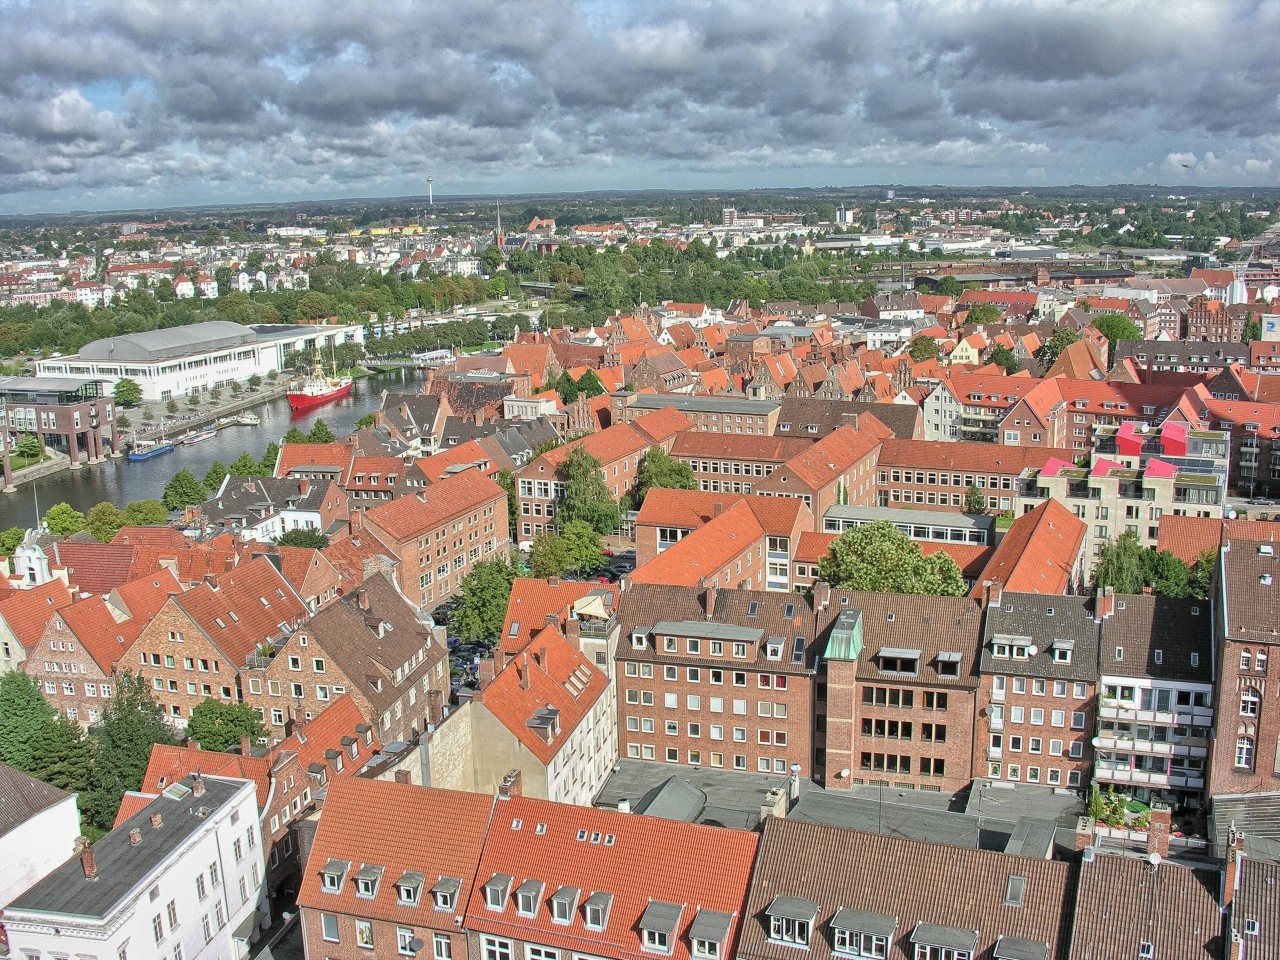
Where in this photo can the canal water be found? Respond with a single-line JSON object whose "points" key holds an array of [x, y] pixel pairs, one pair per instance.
{"points": [[119, 481]]}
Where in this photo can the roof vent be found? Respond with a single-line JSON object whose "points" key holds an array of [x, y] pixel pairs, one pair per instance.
{"points": [[1266, 550]]}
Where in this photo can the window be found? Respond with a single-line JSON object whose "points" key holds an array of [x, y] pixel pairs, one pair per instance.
{"points": [[789, 930], [596, 911], [172, 911], [1250, 702], [404, 941], [200, 891], [364, 934], [157, 927], [495, 948], [657, 940], [442, 947], [1244, 753]]}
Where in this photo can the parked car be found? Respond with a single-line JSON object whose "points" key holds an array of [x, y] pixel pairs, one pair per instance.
{"points": [[1262, 502]]}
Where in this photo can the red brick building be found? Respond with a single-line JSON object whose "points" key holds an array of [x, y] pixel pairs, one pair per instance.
{"points": [[439, 533], [714, 677], [730, 463], [838, 469], [937, 474]]}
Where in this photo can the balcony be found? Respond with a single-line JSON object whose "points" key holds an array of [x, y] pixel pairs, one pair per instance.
{"points": [[1187, 747], [598, 629], [1119, 710], [994, 753], [997, 724]]}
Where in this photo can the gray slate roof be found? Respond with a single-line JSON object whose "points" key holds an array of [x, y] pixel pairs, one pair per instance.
{"points": [[121, 865], [1043, 619], [167, 343], [22, 797]]}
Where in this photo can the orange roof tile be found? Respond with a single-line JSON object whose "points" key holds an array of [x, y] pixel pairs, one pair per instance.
{"points": [[692, 866], [93, 567], [294, 455], [1187, 537], [102, 637], [1038, 552], [413, 515], [836, 452], [660, 425], [27, 611], [706, 552], [168, 764], [325, 732], [132, 802], [690, 509], [532, 600]]}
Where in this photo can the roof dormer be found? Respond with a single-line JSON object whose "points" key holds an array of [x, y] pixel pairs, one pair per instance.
{"points": [[658, 925], [791, 920]]}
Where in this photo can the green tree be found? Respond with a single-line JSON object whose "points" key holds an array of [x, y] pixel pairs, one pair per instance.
{"points": [[268, 461], [320, 433], [25, 717], [294, 435], [216, 725], [63, 755], [1002, 356], [975, 501], [589, 385], [923, 348], [145, 513], [127, 392], [483, 606], [367, 421], [566, 387], [9, 540], [582, 545], [300, 537], [549, 556], [586, 495], [1116, 327], [214, 476], [1200, 575], [272, 375], [29, 446], [1252, 329], [507, 481], [62, 519], [245, 466], [1062, 338], [171, 407], [1164, 573], [1120, 565], [949, 286], [983, 313], [878, 557], [183, 490], [131, 724], [659, 469], [254, 381], [123, 422], [103, 521]]}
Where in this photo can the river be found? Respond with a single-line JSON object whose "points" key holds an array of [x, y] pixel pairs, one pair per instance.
{"points": [[120, 481]]}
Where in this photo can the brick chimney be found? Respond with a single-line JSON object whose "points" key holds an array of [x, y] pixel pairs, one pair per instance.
{"points": [[522, 671], [1105, 605], [709, 598], [197, 785], [1159, 829], [573, 630], [553, 581], [362, 599], [157, 820], [435, 706], [246, 746], [512, 784], [88, 862], [821, 595], [718, 508], [992, 590], [402, 776], [1235, 845], [304, 486], [487, 670], [1084, 833], [553, 620], [135, 837]]}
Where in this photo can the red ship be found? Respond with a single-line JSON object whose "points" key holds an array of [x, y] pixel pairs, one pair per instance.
{"points": [[317, 389]]}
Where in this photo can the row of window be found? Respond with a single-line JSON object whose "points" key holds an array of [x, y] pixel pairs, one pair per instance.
{"points": [[693, 701], [715, 731], [716, 759], [407, 943]]}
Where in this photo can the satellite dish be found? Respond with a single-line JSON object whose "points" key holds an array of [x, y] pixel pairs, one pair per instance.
{"points": [[1033, 650], [415, 944], [1154, 859], [844, 773]]}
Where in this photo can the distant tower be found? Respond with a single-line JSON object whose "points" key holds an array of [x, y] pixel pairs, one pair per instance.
{"points": [[498, 233], [431, 201]]}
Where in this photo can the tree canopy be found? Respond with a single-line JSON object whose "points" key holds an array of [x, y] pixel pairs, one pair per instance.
{"points": [[1116, 327], [300, 537], [1127, 567], [984, 313], [216, 725], [877, 556], [63, 519], [1002, 356], [184, 490], [924, 348], [586, 495], [131, 724], [483, 606], [659, 469], [127, 392], [103, 521]]}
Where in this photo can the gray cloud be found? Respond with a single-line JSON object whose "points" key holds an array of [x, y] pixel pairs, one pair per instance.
{"points": [[136, 102]]}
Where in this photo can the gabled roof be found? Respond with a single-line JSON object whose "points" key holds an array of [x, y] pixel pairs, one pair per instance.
{"points": [[835, 453], [911, 887], [27, 611], [658, 426], [1188, 537], [94, 567], [547, 675], [690, 509], [22, 797], [1039, 551], [706, 552], [169, 764], [341, 719], [641, 866], [142, 598], [366, 823], [531, 601], [454, 459], [298, 456], [101, 636], [411, 516], [350, 555], [607, 446]]}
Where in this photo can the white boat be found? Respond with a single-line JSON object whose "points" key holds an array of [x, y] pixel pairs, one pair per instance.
{"points": [[247, 420]]}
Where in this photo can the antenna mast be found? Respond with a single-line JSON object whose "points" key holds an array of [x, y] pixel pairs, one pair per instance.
{"points": [[431, 201]]}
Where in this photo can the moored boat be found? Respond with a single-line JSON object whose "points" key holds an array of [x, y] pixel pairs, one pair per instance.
{"points": [[317, 389], [146, 449]]}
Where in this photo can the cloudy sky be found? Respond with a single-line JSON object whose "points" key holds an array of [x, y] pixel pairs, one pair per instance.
{"points": [[126, 103]]}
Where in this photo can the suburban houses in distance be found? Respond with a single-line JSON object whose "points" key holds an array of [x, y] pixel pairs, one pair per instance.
{"points": [[933, 620]]}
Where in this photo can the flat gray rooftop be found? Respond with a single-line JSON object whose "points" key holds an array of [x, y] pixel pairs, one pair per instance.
{"points": [[657, 401], [122, 866], [936, 518]]}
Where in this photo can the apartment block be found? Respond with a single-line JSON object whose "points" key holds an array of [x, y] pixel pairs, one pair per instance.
{"points": [[937, 475], [838, 469], [733, 464], [1037, 697], [438, 534], [900, 687], [717, 678]]}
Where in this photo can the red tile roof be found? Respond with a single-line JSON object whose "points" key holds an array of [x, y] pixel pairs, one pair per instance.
{"points": [[607, 446], [662, 424], [835, 453], [690, 866], [142, 598], [548, 673], [532, 600], [368, 822], [411, 516], [94, 567], [435, 467], [293, 455], [1038, 552], [325, 732], [169, 764], [1187, 537], [98, 632], [689, 509], [27, 611], [705, 553]]}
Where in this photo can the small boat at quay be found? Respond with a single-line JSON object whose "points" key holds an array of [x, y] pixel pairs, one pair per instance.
{"points": [[146, 449]]}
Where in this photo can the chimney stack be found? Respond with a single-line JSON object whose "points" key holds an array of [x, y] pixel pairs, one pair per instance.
{"points": [[522, 671], [135, 837], [1231, 881], [1084, 834], [197, 785], [624, 805], [402, 776], [821, 595], [1159, 828], [512, 784], [709, 597], [246, 746], [156, 820], [87, 859], [362, 599], [992, 592]]}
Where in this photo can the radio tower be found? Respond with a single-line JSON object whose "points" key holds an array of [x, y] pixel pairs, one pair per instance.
{"points": [[431, 202]]}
